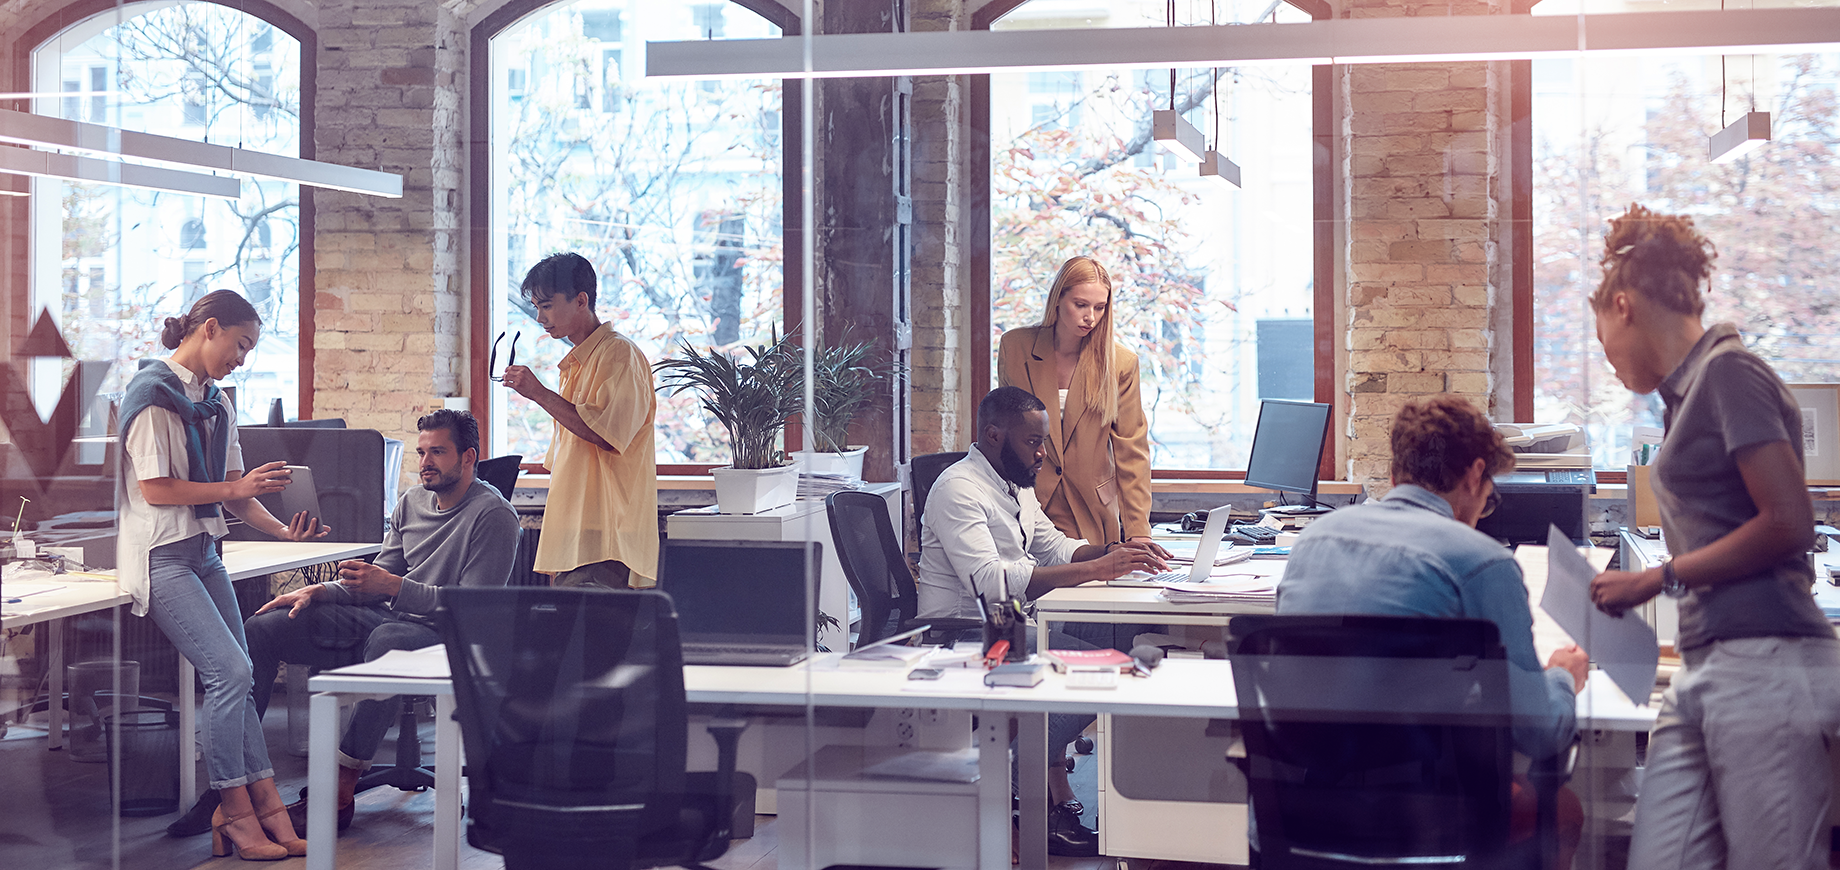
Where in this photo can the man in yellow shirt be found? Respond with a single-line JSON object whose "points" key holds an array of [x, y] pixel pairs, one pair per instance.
{"points": [[600, 524]]}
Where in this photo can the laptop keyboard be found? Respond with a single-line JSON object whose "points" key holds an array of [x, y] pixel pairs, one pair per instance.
{"points": [[735, 649]]}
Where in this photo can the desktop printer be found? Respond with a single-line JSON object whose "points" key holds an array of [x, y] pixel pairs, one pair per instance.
{"points": [[1551, 485]]}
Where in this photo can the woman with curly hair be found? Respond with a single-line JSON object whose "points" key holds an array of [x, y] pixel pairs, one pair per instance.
{"points": [[1737, 763]]}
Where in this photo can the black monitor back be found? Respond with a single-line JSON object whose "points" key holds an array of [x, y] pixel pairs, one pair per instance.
{"points": [[1527, 509], [347, 466]]}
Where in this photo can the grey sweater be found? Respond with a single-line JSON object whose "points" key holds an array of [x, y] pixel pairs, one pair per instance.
{"points": [[471, 544]]}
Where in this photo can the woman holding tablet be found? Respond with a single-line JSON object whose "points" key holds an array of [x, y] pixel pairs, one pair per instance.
{"points": [[1737, 763], [181, 465], [1095, 483]]}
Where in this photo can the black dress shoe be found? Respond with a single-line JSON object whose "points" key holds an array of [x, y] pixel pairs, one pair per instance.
{"points": [[1067, 837], [196, 820]]}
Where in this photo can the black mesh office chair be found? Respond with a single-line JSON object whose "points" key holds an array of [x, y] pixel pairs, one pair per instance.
{"points": [[501, 472], [877, 569], [923, 470], [571, 707], [1376, 741]]}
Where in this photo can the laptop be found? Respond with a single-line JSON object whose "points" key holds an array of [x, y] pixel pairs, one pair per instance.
{"points": [[741, 602], [1206, 551]]}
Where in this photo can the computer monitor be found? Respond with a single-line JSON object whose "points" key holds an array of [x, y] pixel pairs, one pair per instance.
{"points": [[1287, 446]]}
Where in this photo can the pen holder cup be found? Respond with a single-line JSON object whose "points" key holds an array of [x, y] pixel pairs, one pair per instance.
{"points": [[1002, 626]]}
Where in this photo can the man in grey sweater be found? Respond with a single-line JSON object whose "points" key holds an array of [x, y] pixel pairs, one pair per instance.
{"points": [[453, 530]]}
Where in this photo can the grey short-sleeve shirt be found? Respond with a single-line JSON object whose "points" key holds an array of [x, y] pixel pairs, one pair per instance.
{"points": [[1720, 400]]}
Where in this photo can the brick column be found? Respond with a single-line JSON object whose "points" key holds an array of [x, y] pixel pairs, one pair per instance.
{"points": [[1423, 193], [388, 293], [939, 317]]}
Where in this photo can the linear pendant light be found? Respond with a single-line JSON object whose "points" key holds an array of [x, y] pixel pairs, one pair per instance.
{"points": [[24, 161], [1739, 138], [1177, 135], [1351, 40], [1214, 165], [26, 128]]}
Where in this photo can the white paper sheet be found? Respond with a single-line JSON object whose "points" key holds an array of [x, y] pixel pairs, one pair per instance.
{"points": [[427, 663], [1623, 646]]}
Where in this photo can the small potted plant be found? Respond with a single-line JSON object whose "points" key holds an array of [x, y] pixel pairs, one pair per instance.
{"points": [[844, 383], [752, 398]]}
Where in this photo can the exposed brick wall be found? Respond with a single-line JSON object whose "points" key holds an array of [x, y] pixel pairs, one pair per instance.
{"points": [[388, 293], [1423, 193], [940, 421]]}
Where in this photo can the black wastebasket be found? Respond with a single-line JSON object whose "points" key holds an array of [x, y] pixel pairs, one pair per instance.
{"points": [[145, 745]]}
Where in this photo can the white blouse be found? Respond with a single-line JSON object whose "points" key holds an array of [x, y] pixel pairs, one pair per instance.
{"points": [[154, 447]]}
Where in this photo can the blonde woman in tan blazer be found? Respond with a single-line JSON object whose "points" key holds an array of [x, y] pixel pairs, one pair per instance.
{"points": [[1095, 483]]}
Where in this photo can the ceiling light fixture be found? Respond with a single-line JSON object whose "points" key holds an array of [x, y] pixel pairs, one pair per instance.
{"points": [[110, 143], [1351, 40], [1167, 126], [69, 167], [1739, 138], [1215, 165]]}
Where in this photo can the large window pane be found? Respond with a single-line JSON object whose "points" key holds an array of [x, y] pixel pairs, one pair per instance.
{"points": [[672, 190], [1213, 285], [1611, 131], [112, 262]]}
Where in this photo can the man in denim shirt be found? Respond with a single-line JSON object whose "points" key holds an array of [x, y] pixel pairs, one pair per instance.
{"points": [[1416, 552]]}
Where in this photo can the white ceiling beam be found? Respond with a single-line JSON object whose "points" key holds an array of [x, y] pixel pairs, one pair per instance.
{"points": [[26, 128], [1352, 40]]}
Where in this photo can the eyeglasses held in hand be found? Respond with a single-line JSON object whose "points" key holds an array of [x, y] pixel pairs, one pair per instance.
{"points": [[492, 362]]}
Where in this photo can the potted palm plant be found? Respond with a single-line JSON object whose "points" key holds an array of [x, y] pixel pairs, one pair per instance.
{"points": [[844, 383], [751, 394]]}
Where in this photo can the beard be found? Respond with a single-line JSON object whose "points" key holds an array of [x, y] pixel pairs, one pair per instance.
{"points": [[1015, 469], [442, 483]]}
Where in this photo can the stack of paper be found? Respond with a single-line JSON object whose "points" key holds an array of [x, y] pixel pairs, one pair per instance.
{"points": [[1244, 590], [817, 486]]}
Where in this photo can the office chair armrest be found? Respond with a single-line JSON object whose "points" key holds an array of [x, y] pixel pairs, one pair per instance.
{"points": [[727, 734]]}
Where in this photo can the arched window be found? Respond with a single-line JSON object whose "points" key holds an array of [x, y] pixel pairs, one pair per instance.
{"points": [[1214, 285], [672, 190], [112, 262]]}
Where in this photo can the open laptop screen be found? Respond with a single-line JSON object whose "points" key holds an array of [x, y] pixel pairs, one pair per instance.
{"points": [[738, 592]]}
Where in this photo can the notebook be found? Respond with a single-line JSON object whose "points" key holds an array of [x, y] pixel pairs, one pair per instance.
{"points": [[1205, 554], [741, 602]]}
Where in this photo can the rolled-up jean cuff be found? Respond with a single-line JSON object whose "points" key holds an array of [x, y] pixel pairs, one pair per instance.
{"points": [[241, 781], [358, 764]]}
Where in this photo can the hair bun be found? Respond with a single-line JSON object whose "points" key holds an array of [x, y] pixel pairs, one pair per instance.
{"points": [[173, 332]]}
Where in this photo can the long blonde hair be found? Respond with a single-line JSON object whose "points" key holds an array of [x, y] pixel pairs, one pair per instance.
{"points": [[1095, 365]]}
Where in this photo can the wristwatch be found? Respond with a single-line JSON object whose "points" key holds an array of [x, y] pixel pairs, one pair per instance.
{"points": [[1670, 582]]}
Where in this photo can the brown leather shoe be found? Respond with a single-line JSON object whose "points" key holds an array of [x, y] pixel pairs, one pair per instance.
{"points": [[297, 813]]}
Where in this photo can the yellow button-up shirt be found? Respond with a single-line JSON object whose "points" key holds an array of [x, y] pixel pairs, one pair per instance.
{"points": [[603, 504]]}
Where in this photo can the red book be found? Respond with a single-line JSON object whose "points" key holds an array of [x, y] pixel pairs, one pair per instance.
{"points": [[1088, 658]]}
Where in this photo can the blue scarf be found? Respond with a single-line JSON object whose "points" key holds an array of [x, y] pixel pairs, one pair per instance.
{"points": [[157, 384]]}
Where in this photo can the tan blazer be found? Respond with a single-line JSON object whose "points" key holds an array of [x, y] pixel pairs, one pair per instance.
{"points": [[1095, 483]]}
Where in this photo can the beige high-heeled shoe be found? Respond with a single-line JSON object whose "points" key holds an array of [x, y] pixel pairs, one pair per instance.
{"points": [[222, 843], [295, 846]]}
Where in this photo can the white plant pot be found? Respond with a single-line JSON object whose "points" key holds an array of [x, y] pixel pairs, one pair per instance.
{"points": [[753, 490], [848, 463]]}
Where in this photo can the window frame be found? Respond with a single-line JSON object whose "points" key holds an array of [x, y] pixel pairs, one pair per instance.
{"points": [[479, 197], [17, 210], [1323, 284]]}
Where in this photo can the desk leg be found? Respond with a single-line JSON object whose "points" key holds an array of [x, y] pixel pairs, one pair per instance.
{"points": [[1032, 768], [446, 784], [993, 791], [188, 734], [54, 708], [322, 759]]}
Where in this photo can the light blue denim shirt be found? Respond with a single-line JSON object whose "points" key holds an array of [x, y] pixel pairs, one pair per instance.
{"points": [[1406, 555]]}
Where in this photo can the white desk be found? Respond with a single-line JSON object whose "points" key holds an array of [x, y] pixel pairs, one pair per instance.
{"points": [[1180, 688], [82, 593]]}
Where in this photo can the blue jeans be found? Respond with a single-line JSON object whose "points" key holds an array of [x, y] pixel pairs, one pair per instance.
{"points": [[332, 636], [190, 599]]}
